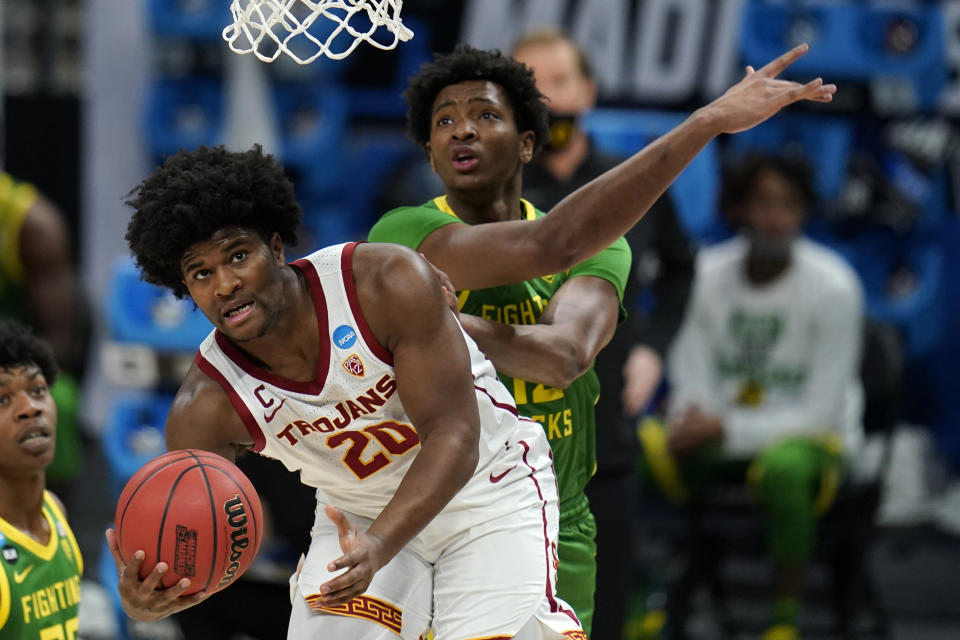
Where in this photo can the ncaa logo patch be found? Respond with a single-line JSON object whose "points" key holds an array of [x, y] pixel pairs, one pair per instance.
{"points": [[344, 336], [354, 365], [11, 555]]}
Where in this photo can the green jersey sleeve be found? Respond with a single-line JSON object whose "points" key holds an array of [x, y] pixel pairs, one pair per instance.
{"points": [[613, 265], [409, 225]]}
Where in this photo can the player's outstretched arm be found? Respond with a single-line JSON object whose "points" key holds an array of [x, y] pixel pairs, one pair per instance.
{"points": [[591, 218], [405, 308], [578, 322], [201, 418]]}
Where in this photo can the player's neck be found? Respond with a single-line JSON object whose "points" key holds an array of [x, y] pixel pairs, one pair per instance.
{"points": [[493, 203], [21, 504], [563, 163], [291, 347]]}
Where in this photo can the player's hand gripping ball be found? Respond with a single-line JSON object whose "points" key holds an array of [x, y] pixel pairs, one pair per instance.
{"points": [[197, 512]]}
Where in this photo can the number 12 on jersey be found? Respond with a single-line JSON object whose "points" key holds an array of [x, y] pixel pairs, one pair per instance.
{"points": [[539, 395]]}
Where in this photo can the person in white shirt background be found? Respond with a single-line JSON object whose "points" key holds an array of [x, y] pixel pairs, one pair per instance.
{"points": [[764, 384]]}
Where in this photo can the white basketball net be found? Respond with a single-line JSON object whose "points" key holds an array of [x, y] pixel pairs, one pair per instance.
{"points": [[269, 28]]}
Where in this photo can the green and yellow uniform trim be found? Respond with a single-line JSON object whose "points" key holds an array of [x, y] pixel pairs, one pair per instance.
{"points": [[28, 574]]}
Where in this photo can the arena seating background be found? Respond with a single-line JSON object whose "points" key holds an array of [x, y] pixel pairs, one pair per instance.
{"points": [[122, 84], [884, 155]]}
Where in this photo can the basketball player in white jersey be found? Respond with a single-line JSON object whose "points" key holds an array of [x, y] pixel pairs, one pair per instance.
{"points": [[439, 505], [436, 504]]}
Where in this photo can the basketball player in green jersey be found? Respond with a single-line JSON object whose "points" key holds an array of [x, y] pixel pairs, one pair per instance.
{"points": [[542, 334], [40, 563], [480, 118]]}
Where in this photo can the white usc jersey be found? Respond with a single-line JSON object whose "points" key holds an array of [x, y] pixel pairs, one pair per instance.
{"points": [[346, 431]]}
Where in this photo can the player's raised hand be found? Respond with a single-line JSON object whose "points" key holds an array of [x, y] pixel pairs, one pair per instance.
{"points": [[760, 94], [362, 557], [141, 599]]}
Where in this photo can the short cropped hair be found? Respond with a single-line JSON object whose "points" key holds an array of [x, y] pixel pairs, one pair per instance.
{"points": [[196, 193], [464, 64], [540, 37], [740, 177], [19, 347]]}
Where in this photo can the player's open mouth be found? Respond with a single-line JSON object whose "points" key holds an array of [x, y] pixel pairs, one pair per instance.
{"points": [[35, 434], [464, 160], [36, 440], [239, 312]]}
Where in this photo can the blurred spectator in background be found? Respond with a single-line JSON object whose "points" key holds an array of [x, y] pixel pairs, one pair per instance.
{"points": [[764, 374], [630, 367], [39, 287]]}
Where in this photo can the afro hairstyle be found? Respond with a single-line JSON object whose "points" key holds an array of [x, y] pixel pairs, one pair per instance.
{"points": [[19, 347], [196, 193], [464, 64]]}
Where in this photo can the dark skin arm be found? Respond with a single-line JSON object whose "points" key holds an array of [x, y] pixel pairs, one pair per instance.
{"points": [[594, 216], [52, 285], [579, 321], [200, 401], [407, 311]]}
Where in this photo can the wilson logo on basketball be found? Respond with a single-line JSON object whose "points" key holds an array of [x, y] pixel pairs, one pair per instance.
{"points": [[354, 365], [237, 519]]}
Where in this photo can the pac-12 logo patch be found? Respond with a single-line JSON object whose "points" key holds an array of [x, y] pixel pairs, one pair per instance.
{"points": [[344, 336], [354, 365]]}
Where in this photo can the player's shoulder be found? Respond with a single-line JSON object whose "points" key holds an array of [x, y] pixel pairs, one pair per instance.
{"points": [[828, 268], [325, 260], [410, 225], [428, 209], [205, 397], [205, 393], [387, 265]]}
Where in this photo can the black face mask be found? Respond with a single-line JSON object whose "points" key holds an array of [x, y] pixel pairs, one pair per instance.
{"points": [[766, 249], [561, 127]]}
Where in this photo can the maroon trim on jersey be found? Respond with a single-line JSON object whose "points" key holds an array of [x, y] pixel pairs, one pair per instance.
{"points": [[241, 407], [346, 268], [313, 387], [554, 605], [499, 405]]}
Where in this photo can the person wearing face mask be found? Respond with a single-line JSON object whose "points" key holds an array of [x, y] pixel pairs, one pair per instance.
{"points": [[764, 384], [630, 368]]}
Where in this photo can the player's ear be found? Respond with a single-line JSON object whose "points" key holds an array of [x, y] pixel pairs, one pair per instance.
{"points": [[276, 248], [528, 140], [429, 150]]}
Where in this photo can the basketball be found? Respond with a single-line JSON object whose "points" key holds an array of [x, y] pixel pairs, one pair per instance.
{"points": [[194, 510]]}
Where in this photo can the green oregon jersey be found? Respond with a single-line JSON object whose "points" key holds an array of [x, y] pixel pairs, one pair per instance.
{"points": [[16, 198], [40, 583], [567, 414]]}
